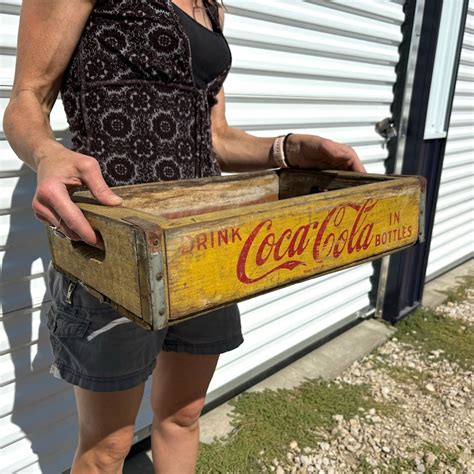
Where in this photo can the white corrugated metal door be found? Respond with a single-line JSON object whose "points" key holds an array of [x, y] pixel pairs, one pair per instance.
{"points": [[453, 233], [322, 67]]}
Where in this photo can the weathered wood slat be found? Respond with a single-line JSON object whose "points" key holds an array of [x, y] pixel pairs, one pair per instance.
{"points": [[197, 196], [114, 274]]}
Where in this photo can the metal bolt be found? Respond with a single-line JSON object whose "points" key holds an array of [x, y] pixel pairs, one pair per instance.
{"points": [[161, 312], [159, 276]]}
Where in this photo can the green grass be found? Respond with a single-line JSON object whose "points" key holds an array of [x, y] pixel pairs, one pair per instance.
{"points": [[448, 456], [399, 465], [408, 376], [269, 420], [427, 331]]}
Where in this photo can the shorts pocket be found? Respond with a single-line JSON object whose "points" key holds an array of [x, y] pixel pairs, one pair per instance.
{"points": [[67, 325]]}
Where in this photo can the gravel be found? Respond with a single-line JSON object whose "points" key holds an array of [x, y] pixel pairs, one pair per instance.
{"points": [[462, 311], [437, 409]]}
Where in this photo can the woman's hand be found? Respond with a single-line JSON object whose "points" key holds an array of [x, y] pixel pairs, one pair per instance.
{"points": [[311, 151], [60, 171]]}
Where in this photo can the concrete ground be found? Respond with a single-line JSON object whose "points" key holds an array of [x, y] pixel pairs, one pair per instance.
{"points": [[327, 361], [433, 294]]}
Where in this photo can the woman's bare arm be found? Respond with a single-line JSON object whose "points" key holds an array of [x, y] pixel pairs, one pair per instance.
{"points": [[49, 31], [48, 34], [239, 151]]}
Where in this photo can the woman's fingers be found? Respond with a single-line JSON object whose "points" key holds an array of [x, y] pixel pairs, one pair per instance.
{"points": [[50, 217], [57, 175], [55, 196], [357, 164], [73, 217], [45, 214], [360, 167], [93, 179]]}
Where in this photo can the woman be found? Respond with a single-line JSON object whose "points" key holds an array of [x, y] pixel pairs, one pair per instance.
{"points": [[141, 83]]}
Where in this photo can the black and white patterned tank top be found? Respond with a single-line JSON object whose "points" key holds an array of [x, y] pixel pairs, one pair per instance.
{"points": [[132, 99]]}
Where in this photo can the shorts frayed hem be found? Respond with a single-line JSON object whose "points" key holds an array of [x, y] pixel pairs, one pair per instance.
{"points": [[105, 384], [204, 349]]}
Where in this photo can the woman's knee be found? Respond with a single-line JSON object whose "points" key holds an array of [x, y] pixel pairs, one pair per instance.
{"points": [[108, 453], [106, 426], [185, 416]]}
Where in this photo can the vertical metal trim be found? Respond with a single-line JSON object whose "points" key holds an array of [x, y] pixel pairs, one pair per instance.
{"points": [[402, 133], [437, 114], [157, 287], [408, 92], [457, 60], [406, 273]]}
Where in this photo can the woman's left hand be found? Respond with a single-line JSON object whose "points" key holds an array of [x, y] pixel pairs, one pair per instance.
{"points": [[311, 151]]}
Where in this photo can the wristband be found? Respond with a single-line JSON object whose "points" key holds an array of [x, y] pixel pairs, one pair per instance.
{"points": [[279, 151]]}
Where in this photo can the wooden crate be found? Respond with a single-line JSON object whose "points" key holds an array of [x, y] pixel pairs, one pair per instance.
{"points": [[177, 249]]}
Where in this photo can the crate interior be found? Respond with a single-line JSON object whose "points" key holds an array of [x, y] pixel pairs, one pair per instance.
{"points": [[172, 200]]}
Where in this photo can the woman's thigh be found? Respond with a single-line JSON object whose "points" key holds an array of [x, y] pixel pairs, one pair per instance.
{"points": [[107, 418], [179, 384]]}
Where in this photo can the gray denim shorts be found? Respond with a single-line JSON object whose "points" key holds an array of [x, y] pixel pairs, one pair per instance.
{"points": [[96, 348]]}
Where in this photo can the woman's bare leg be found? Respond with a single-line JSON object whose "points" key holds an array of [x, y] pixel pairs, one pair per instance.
{"points": [[106, 426], [179, 386]]}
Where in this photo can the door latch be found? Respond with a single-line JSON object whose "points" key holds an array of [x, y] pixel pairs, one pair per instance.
{"points": [[386, 129]]}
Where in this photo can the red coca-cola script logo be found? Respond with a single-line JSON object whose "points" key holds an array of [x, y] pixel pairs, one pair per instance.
{"points": [[330, 238]]}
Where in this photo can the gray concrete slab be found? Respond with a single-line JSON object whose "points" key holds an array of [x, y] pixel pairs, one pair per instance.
{"points": [[435, 291]]}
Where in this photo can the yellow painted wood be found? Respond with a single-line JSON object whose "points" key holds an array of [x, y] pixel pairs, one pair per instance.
{"points": [[229, 258]]}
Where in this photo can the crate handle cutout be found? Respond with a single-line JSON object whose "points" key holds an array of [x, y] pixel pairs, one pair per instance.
{"points": [[89, 251]]}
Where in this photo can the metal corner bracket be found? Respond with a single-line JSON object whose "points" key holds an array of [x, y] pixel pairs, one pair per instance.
{"points": [[157, 287]]}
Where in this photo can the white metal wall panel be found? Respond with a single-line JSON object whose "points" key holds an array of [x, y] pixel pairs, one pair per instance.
{"points": [[318, 67], [453, 233]]}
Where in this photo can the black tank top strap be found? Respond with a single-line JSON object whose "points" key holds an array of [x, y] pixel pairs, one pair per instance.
{"points": [[213, 11]]}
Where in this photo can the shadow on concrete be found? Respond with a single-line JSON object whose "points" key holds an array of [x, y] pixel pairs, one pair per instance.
{"points": [[137, 461]]}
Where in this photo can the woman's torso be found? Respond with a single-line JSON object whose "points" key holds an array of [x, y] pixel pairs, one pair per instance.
{"points": [[136, 93]]}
